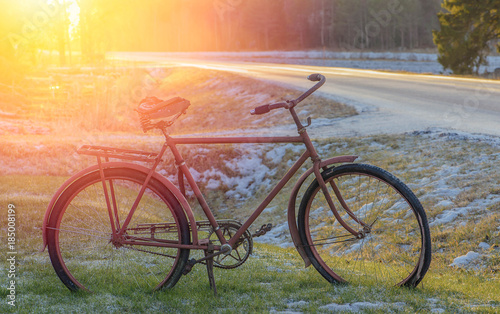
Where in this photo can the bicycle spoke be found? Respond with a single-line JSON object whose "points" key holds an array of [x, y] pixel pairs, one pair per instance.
{"points": [[325, 240], [81, 231]]}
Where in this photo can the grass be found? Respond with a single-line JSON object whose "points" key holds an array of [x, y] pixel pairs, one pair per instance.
{"points": [[272, 279], [450, 175], [79, 101]]}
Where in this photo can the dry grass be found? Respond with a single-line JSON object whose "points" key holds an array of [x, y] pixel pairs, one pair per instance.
{"points": [[103, 99]]}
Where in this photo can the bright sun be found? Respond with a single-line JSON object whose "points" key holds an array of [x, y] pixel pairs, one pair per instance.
{"points": [[74, 16]]}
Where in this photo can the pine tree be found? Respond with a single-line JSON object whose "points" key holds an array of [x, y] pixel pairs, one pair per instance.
{"points": [[467, 30]]}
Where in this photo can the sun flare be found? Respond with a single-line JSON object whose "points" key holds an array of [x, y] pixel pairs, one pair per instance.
{"points": [[74, 16]]}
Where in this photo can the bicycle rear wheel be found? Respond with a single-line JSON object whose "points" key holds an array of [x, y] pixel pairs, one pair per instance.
{"points": [[81, 248], [394, 247]]}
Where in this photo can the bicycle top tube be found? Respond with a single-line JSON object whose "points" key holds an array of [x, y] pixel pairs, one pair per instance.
{"points": [[289, 104], [237, 140]]}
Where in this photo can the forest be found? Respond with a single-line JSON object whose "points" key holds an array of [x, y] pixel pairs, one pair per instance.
{"points": [[93, 27]]}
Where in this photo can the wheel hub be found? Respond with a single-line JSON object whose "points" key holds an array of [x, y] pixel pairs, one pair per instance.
{"points": [[117, 240], [364, 232]]}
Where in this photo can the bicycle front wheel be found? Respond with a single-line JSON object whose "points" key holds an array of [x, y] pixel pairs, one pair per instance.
{"points": [[83, 251], [393, 246]]}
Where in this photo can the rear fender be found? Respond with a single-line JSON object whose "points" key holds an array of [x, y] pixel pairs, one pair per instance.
{"points": [[292, 217], [175, 191]]}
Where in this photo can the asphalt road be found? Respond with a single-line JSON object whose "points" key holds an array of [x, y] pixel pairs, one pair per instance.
{"points": [[388, 102]]}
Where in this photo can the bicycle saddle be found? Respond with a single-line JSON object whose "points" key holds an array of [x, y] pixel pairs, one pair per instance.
{"points": [[153, 108], [156, 108]]}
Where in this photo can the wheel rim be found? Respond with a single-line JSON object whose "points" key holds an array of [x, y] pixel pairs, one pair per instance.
{"points": [[390, 247], [83, 239]]}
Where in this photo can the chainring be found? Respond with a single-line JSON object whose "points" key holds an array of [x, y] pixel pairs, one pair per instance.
{"points": [[243, 248]]}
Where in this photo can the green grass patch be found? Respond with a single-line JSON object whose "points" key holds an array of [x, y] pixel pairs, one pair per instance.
{"points": [[272, 279]]}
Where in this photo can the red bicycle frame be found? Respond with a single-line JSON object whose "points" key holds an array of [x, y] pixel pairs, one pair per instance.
{"points": [[183, 172]]}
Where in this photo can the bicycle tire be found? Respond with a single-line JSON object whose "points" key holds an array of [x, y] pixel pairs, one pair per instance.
{"points": [[79, 234], [397, 248]]}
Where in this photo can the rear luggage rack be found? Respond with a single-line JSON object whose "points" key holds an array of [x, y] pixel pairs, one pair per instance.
{"points": [[110, 152]]}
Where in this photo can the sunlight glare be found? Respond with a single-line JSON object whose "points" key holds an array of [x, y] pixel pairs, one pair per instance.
{"points": [[74, 16]]}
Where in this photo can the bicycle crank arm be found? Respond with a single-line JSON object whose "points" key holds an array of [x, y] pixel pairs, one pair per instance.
{"points": [[226, 249]]}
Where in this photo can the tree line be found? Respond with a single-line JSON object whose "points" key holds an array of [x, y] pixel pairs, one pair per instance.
{"points": [[218, 25], [229, 25]]}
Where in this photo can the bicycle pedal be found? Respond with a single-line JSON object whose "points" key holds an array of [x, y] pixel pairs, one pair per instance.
{"points": [[263, 230]]}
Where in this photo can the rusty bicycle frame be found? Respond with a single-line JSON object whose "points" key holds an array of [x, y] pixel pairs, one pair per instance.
{"points": [[183, 172]]}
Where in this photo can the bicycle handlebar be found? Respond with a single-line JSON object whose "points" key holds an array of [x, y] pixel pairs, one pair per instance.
{"points": [[316, 77], [266, 108]]}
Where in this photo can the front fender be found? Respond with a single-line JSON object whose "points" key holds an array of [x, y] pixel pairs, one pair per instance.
{"points": [[292, 221], [182, 200]]}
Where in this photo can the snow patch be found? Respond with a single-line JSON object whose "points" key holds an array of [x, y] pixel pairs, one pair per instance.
{"points": [[212, 184], [451, 215], [252, 176], [484, 246], [444, 203], [360, 306], [297, 304], [469, 260], [276, 154]]}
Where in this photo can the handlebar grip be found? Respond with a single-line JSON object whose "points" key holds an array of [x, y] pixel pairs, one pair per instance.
{"points": [[314, 77], [261, 109]]}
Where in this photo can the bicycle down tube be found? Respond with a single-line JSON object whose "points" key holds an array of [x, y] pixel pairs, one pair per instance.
{"points": [[267, 200]]}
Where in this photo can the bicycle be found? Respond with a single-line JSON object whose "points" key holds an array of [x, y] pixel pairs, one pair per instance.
{"points": [[119, 223]]}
